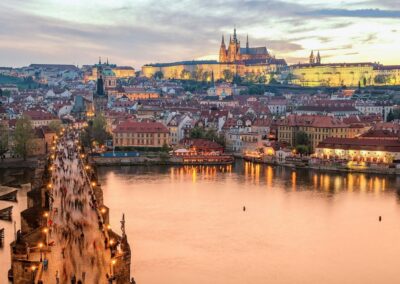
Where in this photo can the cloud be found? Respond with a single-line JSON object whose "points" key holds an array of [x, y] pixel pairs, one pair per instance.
{"points": [[139, 32], [370, 38], [359, 13]]}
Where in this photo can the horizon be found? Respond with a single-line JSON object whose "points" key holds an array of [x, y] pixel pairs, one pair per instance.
{"points": [[70, 32]]}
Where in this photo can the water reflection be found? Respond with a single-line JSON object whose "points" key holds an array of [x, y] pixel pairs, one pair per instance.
{"points": [[187, 223], [272, 176]]}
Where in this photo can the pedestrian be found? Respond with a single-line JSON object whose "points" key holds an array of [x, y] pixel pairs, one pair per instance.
{"points": [[83, 276], [57, 278], [73, 279]]}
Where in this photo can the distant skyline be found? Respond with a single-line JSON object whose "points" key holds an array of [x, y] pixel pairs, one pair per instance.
{"points": [[138, 32]]}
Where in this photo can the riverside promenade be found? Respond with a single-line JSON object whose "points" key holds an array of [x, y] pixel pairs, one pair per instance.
{"points": [[74, 243]]}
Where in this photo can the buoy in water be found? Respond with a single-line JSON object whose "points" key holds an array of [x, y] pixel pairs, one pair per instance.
{"points": [[380, 218], [244, 208]]}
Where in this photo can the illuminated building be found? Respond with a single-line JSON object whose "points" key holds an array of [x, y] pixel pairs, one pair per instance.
{"points": [[359, 150], [120, 72], [317, 128], [233, 60], [140, 134], [314, 74]]}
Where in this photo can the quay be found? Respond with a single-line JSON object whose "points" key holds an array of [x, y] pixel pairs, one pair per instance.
{"points": [[121, 159], [65, 235]]}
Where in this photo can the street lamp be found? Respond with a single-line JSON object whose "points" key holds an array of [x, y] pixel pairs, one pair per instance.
{"points": [[40, 248], [33, 268], [113, 262]]}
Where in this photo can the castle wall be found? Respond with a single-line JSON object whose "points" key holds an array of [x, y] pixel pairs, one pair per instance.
{"points": [[351, 75], [175, 71]]}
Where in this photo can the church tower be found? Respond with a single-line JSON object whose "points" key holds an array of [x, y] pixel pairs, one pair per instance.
{"points": [[234, 48], [100, 98], [222, 51], [312, 58], [318, 58]]}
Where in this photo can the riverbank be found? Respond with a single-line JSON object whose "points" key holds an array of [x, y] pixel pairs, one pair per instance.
{"points": [[162, 160]]}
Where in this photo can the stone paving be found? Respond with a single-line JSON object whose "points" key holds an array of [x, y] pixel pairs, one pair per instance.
{"points": [[76, 237]]}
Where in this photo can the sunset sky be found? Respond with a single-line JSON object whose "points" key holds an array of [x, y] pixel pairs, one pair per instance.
{"points": [[135, 32]]}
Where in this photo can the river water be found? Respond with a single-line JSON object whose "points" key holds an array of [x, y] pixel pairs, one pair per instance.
{"points": [[187, 224]]}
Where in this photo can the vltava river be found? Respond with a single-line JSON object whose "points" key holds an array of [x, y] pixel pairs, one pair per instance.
{"points": [[187, 224]]}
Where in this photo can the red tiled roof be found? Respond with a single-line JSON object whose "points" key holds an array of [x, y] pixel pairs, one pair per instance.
{"points": [[130, 126], [39, 115], [360, 144]]}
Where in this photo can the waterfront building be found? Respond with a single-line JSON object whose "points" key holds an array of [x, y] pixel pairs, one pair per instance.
{"points": [[359, 150], [140, 134], [317, 128]]}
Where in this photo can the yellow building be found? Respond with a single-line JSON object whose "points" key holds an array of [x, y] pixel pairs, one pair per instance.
{"points": [[140, 134], [315, 74], [317, 128], [345, 74], [359, 150], [233, 59]]}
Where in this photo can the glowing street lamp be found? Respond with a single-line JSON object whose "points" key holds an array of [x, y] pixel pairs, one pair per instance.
{"points": [[33, 269], [113, 262], [40, 248]]}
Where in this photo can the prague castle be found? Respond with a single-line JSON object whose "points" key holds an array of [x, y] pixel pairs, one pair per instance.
{"points": [[257, 61], [233, 60], [315, 74]]}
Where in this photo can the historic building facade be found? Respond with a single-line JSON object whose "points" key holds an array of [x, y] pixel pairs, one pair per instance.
{"points": [[315, 74], [237, 54], [233, 60]]}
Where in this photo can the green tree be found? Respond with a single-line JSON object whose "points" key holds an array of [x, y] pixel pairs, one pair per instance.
{"points": [[390, 116], [206, 76], [3, 139], [301, 138], [23, 137], [99, 129], [228, 75], [185, 74], [302, 143], [55, 126], [158, 75]]}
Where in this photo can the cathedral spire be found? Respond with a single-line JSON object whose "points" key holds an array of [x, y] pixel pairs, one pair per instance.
{"points": [[234, 34], [318, 59], [312, 58], [223, 40], [107, 60], [247, 41], [99, 60]]}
